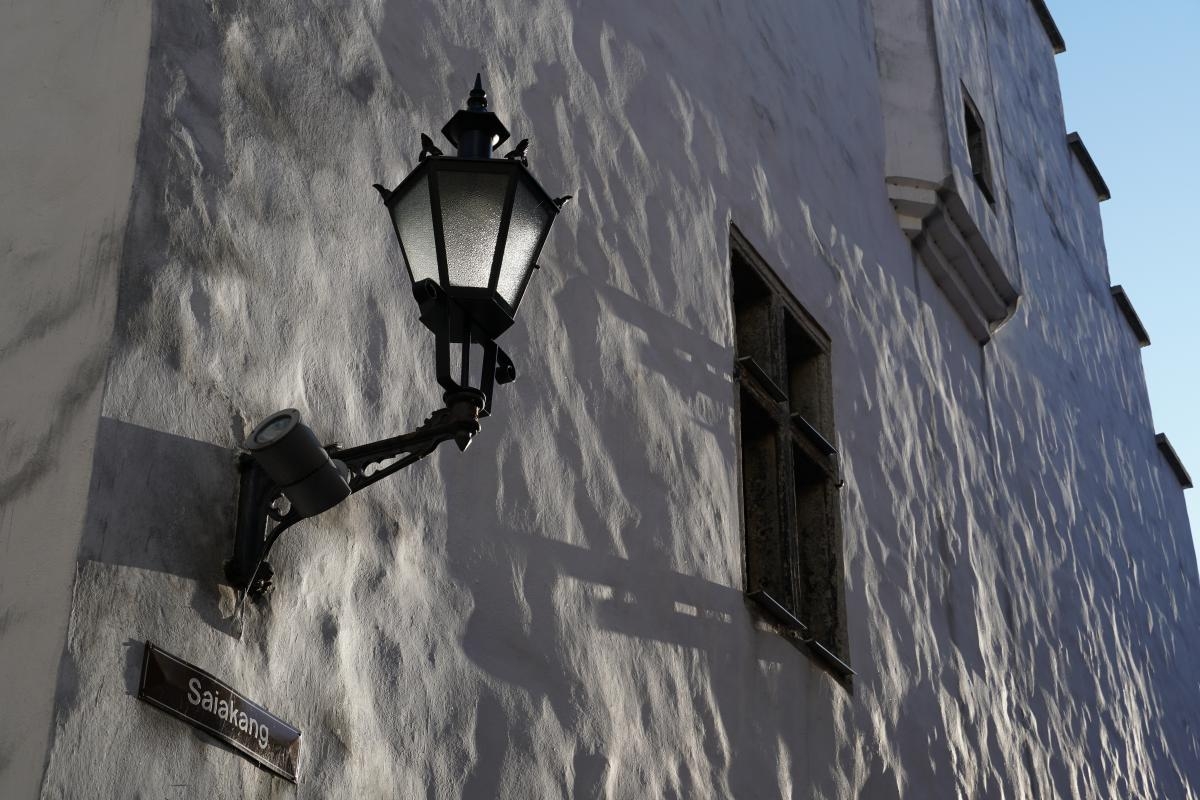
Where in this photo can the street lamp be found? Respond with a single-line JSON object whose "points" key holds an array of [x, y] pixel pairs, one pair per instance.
{"points": [[470, 228]]}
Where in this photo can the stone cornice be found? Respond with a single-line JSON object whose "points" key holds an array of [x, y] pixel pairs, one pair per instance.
{"points": [[956, 254]]}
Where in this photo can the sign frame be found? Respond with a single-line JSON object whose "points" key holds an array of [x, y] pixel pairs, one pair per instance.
{"points": [[157, 689]]}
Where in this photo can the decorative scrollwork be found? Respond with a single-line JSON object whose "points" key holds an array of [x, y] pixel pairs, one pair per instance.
{"points": [[258, 500]]}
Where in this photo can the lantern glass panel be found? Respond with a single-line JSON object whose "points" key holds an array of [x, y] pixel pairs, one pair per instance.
{"points": [[530, 218], [415, 226], [472, 205]]}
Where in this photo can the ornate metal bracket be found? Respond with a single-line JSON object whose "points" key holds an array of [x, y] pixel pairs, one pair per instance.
{"points": [[261, 500]]}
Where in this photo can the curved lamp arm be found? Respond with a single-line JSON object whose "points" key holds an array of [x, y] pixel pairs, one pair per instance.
{"points": [[248, 569]]}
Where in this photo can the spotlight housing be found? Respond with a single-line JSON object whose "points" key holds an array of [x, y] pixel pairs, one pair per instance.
{"points": [[292, 456]]}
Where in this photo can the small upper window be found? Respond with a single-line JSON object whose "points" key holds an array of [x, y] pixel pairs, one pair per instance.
{"points": [[977, 148], [789, 464]]}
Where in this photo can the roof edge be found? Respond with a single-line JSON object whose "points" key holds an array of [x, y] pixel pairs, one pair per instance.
{"points": [[1131, 316], [1089, 166], [1172, 457], [1043, 14]]}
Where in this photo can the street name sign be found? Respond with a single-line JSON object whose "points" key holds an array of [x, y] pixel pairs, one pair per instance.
{"points": [[196, 697]]}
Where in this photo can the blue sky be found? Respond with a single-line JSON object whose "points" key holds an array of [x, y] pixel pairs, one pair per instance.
{"points": [[1129, 84]]}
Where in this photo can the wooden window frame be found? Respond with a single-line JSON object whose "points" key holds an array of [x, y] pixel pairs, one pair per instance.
{"points": [[978, 149], [788, 462]]}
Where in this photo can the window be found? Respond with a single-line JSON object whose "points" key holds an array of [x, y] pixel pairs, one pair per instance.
{"points": [[788, 462], [977, 148]]}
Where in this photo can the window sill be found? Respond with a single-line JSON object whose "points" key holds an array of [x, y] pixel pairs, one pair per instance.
{"points": [[796, 632]]}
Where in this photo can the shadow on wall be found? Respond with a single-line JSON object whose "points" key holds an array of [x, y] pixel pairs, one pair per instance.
{"points": [[540, 624], [575, 578], [165, 503], [579, 610], [695, 366]]}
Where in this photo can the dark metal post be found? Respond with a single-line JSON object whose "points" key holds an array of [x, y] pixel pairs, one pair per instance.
{"points": [[253, 489]]}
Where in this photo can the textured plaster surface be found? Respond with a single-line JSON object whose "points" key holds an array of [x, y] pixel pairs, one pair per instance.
{"points": [[973, 45], [557, 612], [911, 93], [71, 97]]}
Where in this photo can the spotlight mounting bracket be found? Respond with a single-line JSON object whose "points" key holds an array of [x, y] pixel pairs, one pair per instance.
{"points": [[259, 496]]}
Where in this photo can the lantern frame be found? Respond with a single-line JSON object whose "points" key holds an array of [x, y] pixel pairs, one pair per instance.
{"points": [[485, 305]]}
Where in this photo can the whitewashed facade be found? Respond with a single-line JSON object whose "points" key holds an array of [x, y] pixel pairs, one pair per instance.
{"points": [[190, 241]]}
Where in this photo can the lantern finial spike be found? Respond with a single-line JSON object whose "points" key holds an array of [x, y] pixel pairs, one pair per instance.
{"points": [[474, 130], [478, 99]]}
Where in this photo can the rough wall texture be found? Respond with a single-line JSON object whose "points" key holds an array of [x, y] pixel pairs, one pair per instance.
{"points": [[558, 611], [71, 95]]}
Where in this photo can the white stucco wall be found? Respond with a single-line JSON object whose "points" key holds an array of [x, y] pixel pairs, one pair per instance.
{"points": [[71, 94], [558, 611]]}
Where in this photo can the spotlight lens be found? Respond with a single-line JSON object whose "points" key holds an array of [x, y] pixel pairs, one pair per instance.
{"points": [[273, 429]]}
